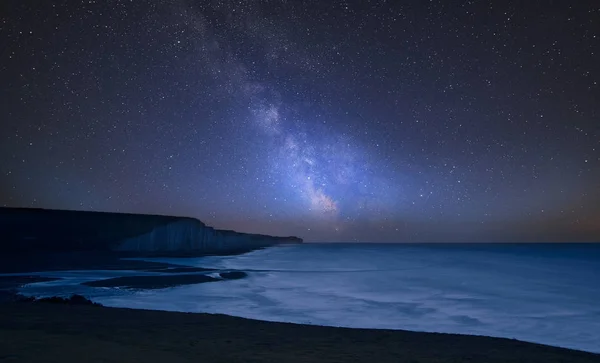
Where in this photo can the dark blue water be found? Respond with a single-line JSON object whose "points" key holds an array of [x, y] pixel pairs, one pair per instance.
{"points": [[541, 293]]}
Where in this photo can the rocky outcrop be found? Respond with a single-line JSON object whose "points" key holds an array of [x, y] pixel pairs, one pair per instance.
{"points": [[43, 230], [163, 281]]}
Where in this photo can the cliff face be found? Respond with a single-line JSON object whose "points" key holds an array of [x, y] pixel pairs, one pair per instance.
{"points": [[29, 230], [188, 235]]}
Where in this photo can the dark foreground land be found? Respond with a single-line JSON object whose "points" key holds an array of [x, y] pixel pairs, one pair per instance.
{"points": [[46, 332]]}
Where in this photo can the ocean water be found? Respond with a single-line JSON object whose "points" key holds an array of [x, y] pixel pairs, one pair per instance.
{"points": [[547, 294]]}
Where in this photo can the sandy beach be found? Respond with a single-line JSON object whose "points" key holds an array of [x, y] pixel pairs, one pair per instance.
{"points": [[46, 332]]}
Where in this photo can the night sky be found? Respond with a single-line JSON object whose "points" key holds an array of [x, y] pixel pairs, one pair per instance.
{"points": [[377, 121]]}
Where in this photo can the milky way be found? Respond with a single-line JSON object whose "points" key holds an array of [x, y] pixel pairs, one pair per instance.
{"points": [[334, 121]]}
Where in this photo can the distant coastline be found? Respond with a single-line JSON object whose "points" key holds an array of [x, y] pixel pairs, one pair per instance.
{"points": [[28, 231]]}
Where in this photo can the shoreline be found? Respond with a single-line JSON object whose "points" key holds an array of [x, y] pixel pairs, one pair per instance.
{"points": [[179, 274], [32, 332]]}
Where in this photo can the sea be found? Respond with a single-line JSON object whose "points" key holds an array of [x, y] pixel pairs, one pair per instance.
{"points": [[543, 293]]}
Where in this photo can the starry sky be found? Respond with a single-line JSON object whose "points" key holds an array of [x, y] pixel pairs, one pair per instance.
{"points": [[380, 121]]}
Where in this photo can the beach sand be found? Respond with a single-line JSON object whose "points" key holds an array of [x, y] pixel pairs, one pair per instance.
{"points": [[46, 332]]}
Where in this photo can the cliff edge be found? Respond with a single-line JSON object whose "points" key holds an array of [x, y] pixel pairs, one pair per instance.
{"points": [[24, 230]]}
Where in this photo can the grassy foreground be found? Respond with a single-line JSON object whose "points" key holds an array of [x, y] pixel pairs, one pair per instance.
{"points": [[43, 332]]}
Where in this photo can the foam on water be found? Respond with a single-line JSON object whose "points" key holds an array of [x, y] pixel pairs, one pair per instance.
{"points": [[543, 294]]}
